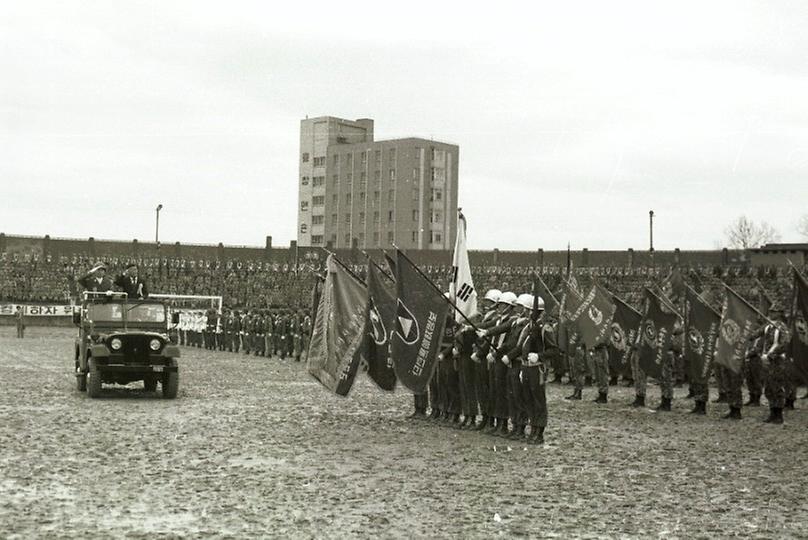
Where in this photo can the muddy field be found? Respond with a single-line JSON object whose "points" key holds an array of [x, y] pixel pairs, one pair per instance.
{"points": [[254, 447]]}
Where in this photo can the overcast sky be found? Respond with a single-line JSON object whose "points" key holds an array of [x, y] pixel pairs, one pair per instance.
{"points": [[573, 119]]}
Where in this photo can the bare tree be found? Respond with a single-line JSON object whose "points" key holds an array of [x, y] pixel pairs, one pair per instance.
{"points": [[802, 227], [743, 233]]}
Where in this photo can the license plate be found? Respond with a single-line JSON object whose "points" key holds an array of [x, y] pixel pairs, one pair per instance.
{"points": [[158, 369]]}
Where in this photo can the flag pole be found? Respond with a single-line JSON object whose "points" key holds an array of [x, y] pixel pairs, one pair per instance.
{"points": [[379, 268], [756, 310], [448, 301], [667, 303], [711, 308], [345, 266]]}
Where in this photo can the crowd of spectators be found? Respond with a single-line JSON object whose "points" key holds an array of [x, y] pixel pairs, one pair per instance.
{"points": [[262, 284]]}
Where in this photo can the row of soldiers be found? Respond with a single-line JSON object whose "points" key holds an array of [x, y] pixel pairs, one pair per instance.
{"points": [[494, 367], [261, 332]]}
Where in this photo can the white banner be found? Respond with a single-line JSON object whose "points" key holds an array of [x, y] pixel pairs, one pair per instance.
{"points": [[37, 310]]}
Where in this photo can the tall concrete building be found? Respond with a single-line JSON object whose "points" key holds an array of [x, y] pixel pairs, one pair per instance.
{"points": [[357, 191]]}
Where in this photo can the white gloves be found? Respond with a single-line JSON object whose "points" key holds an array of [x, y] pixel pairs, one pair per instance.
{"points": [[532, 358]]}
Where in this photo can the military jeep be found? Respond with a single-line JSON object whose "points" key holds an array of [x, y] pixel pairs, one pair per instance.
{"points": [[121, 341]]}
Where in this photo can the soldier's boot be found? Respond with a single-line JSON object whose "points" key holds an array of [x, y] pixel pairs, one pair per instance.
{"points": [[455, 421], [482, 425], [789, 405], [775, 416], [517, 433], [700, 407], [502, 428], [629, 382], [556, 380], [493, 426], [690, 393], [576, 395], [664, 405], [613, 380], [733, 414], [417, 414], [537, 437], [754, 401], [639, 401], [588, 381], [435, 414], [722, 398], [603, 397]]}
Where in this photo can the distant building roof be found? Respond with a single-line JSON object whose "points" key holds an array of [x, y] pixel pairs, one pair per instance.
{"points": [[770, 248]]}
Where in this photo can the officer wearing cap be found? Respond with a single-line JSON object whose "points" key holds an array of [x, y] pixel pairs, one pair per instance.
{"points": [[132, 285], [96, 279]]}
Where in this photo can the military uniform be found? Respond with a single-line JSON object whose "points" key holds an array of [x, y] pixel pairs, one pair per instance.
{"points": [[640, 379], [578, 370], [538, 349], [775, 339], [600, 359], [498, 373]]}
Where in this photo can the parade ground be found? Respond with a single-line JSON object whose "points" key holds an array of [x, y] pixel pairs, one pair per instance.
{"points": [[254, 447]]}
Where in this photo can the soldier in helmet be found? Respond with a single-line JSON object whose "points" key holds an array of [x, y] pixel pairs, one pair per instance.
{"points": [[538, 349], [775, 340], [488, 316]]}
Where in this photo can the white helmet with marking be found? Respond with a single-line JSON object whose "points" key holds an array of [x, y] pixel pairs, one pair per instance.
{"points": [[507, 298], [525, 300], [493, 295]]}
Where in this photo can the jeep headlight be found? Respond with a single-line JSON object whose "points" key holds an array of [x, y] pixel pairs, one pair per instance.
{"points": [[154, 344], [115, 344]]}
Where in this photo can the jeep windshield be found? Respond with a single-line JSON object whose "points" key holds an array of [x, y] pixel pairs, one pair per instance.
{"points": [[134, 313]]}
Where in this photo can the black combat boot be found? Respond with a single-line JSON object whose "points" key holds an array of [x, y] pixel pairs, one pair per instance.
{"points": [[690, 393], [494, 427], [639, 401], [518, 433], [700, 407], [537, 436], [482, 425], [603, 397], [613, 380], [435, 416], [576, 395], [754, 401], [502, 428], [789, 404], [733, 414], [775, 416], [664, 405], [722, 398]]}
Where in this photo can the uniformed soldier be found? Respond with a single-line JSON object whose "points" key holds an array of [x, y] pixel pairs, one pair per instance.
{"points": [[497, 371], [19, 320], [235, 332], [668, 367], [297, 335], [306, 329], [269, 330], [640, 380], [600, 359], [510, 354], [775, 340], [481, 375], [578, 369], [754, 370], [538, 350], [449, 386]]}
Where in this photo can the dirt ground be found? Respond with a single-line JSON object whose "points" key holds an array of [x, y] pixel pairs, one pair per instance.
{"points": [[254, 447]]}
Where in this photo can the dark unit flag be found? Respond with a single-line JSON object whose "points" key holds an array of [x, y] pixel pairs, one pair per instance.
{"points": [[339, 330], [419, 321], [738, 322], [625, 325], [702, 332], [655, 335], [593, 317], [799, 330], [381, 315]]}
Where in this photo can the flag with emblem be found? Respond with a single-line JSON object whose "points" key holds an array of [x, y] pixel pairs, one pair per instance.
{"points": [[551, 303], [700, 340], [381, 313], [461, 289], [738, 322], [338, 332], [625, 325], [592, 316], [568, 334], [799, 329], [420, 318], [655, 335]]}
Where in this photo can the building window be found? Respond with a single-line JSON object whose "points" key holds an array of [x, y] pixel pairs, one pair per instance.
{"points": [[438, 155], [333, 238], [414, 237], [364, 157], [304, 228], [349, 179], [390, 237], [437, 195], [389, 216], [334, 220], [376, 197], [319, 161], [391, 196], [362, 197], [318, 200], [434, 237], [362, 239], [304, 206], [317, 181], [376, 217], [317, 239], [349, 160], [363, 180], [348, 219], [415, 195], [335, 199], [348, 240], [392, 175], [377, 176], [438, 175], [378, 158], [305, 181], [335, 180], [415, 215], [361, 218], [391, 156], [335, 160], [376, 238], [305, 157], [348, 198], [317, 220], [436, 217]]}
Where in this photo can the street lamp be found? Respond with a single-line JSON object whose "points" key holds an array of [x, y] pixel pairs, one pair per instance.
{"points": [[157, 226], [651, 237]]}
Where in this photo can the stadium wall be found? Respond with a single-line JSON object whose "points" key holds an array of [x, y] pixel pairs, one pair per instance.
{"points": [[100, 248]]}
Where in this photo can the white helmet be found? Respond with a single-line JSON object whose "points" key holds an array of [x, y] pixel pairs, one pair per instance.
{"points": [[540, 303], [507, 298], [493, 295], [525, 300]]}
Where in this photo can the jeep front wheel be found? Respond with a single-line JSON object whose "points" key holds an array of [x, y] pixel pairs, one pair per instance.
{"points": [[171, 382], [150, 383], [93, 380]]}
